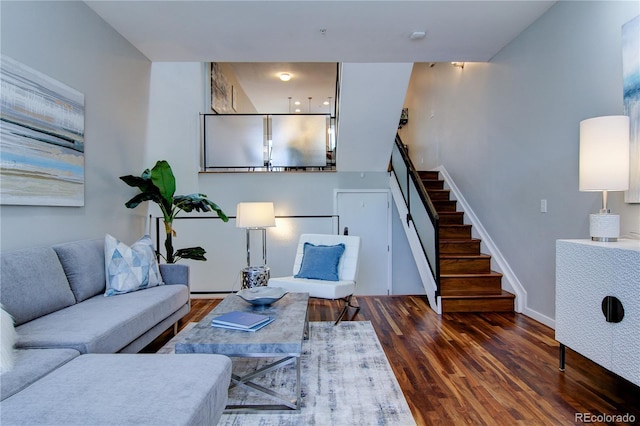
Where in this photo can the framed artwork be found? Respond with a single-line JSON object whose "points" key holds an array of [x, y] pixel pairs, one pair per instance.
{"points": [[220, 90], [42, 132], [631, 90]]}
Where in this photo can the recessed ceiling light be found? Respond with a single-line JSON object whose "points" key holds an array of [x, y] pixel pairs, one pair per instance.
{"points": [[325, 103], [296, 103], [285, 76], [297, 109], [417, 35]]}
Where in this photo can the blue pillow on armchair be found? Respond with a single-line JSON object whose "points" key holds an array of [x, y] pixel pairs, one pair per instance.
{"points": [[320, 262]]}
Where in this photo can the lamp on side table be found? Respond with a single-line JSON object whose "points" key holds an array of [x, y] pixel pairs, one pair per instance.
{"points": [[604, 166], [255, 216]]}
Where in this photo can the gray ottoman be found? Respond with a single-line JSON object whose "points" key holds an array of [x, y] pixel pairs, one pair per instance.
{"points": [[124, 389]]}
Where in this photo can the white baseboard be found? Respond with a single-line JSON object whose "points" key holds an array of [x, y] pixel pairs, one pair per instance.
{"points": [[549, 322]]}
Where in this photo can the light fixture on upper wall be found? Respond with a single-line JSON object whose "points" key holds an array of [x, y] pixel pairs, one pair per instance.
{"points": [[458, 64], [285, 76], [604, 166], [404, 118]]}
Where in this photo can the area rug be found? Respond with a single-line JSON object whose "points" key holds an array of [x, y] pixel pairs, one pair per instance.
{"points": [[346, 380]]}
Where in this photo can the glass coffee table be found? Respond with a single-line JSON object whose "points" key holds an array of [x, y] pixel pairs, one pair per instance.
{"points": [[281, 341]]}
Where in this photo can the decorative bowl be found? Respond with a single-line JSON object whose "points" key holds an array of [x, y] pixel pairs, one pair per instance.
{"points": [[261, 296]]}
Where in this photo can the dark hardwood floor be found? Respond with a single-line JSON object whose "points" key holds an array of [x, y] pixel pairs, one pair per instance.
{"points": [[478, 368]]}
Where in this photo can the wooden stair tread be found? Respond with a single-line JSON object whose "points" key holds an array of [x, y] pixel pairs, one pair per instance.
{"points": [[433, 184], [452, 213], [439, 194], [500, 302], [444, 205], [428, 174], [472, 275], [455, 231], [465, 256], [470, 240], [503, 295]]}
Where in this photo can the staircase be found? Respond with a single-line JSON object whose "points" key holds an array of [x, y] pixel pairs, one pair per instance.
{"points": [[467, 283]]}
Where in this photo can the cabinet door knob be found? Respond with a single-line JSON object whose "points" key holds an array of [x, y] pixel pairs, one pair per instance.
{"points": [[612, 309]]}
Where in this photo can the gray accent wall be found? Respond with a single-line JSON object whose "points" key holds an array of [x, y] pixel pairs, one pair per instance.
{"points": [[69, 42], [507, 132]]}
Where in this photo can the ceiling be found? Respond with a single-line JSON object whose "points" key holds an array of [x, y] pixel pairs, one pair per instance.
{"points": [[291, 31], [265, 37], [261, 83]]}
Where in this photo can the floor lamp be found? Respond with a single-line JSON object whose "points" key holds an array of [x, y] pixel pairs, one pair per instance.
{"points": [[255, 216]]}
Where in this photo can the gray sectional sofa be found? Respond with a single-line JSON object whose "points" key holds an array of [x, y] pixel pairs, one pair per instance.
{"points": [[76, 360]]}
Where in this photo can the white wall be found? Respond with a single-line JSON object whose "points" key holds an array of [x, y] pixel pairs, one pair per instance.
{"points": [[371, 97], [507, 132], [69, 42]]}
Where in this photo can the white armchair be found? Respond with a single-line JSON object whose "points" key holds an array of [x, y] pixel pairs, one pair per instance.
{"points": [[325, 273]]}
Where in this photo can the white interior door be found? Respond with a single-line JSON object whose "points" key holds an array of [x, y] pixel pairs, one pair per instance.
{"points": [[366, 214]]}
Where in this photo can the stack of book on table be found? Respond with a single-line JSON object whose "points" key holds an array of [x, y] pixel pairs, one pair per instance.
{"points": [[244, 321]]}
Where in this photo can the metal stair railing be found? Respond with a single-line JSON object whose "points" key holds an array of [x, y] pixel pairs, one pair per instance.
{"points": [[421, 211]]}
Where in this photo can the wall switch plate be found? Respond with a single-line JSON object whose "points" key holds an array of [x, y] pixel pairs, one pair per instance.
{"points": [[543, 206]]}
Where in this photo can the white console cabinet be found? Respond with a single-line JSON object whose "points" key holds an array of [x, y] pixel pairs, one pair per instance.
{"points": [[598, 303]]}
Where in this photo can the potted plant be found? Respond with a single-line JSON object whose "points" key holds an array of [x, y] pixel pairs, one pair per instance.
{"points": [[159, 185]]}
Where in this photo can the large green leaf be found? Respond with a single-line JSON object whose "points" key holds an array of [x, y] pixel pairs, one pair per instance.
{"points": [[194, 253], [148, 191], [136, 181], [163, 179], [198, 202], [141, 197]]}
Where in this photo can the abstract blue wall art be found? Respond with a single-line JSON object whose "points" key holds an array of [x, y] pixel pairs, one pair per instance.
{"points": [[41, 139], [631, 87]]}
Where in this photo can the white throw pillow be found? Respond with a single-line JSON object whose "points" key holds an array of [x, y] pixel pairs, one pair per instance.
{"points": [[130, 268], [7, 341]]}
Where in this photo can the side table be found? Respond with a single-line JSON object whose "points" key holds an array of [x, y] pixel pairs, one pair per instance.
{"points": [[598, 303]]}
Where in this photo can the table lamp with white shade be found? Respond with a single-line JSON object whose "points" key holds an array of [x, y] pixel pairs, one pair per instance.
{"points": [[604, 166], [255, 216]]}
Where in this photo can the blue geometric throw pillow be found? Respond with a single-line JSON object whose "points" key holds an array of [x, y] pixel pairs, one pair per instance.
{"points": [[320, 262], [130, 268]]}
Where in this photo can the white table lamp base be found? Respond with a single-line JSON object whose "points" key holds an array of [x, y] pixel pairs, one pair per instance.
{"points": [[604, 227]]}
